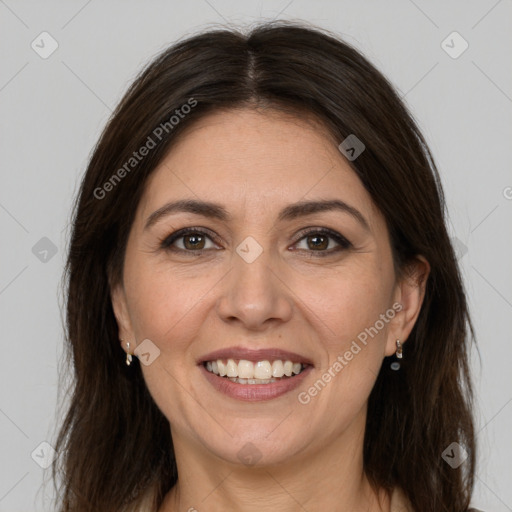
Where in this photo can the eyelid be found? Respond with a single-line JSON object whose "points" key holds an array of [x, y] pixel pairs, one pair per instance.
{"points": [[317, 229]]}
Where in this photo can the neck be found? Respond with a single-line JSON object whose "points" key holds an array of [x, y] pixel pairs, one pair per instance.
{"points": [[328, 479]]}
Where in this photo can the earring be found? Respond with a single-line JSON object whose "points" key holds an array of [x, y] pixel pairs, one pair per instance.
{"points": [[128, 355], [398, 352]]}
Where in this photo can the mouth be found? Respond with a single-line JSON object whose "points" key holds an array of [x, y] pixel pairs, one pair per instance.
{"points": [[254, 375]]}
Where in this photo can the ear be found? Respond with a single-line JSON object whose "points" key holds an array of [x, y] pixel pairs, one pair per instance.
{"points": [[120, 307], [409, 293]]}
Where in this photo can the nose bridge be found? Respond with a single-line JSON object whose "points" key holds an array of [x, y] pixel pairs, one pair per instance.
{"points": [[253, 293]]}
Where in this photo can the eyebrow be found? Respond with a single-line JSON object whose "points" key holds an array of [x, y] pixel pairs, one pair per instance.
{"points": [[290, 212]]}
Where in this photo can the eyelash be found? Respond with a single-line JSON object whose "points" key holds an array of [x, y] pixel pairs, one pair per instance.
{"points": [[343, 243]]}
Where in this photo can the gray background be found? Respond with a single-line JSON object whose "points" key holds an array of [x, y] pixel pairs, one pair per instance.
{"points": [[53, 110]]}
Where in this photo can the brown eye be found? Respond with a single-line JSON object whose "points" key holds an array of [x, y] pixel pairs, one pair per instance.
{"points": [[318, 242], [322, 242], [194, 242], [188, 240]]}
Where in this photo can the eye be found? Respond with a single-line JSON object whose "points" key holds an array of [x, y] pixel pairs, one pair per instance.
{"points": [[320, 241], [188, 240]]}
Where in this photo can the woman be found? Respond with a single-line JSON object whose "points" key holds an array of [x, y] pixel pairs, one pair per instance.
{"points": [[262, 225]]}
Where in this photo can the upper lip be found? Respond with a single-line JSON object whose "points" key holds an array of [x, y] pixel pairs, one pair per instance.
{"points": [[254, 355]]}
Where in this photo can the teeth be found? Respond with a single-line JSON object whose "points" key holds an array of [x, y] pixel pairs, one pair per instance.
{"points": [[231, 368], [245, 369], [262, 370], [222, 368], [252, 381], [277, 368], [247, 372]]}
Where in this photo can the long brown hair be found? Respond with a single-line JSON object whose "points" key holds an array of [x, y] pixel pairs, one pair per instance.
{"points": [[115, 444]]}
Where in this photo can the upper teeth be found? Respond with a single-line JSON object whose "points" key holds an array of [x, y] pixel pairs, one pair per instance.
{"points": [[248, 370]]}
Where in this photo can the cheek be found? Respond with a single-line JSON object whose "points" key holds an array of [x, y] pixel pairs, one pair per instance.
{"points": [[346, 302], [343, 316], [345, 312], [170, 311], [165, 307]]}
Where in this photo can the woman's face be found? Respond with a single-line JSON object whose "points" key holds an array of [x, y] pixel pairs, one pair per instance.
{"points": [[265, 270]]}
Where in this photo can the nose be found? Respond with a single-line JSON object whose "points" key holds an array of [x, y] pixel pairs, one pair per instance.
{"points": [[254, 295]]}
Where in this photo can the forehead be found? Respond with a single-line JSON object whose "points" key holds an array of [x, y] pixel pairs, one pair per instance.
{"points": [[246, 158]]}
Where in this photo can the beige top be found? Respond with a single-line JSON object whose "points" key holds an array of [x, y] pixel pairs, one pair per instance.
{"points": [[399, 502]]}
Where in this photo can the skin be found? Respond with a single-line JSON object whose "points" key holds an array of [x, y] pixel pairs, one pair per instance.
{"points": [[255, 163]]}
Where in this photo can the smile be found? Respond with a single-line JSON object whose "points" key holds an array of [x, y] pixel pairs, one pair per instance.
{"points": [[254, 389]]}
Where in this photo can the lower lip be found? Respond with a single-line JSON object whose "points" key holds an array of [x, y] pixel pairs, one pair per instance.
{"points": [[255, 392]]}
